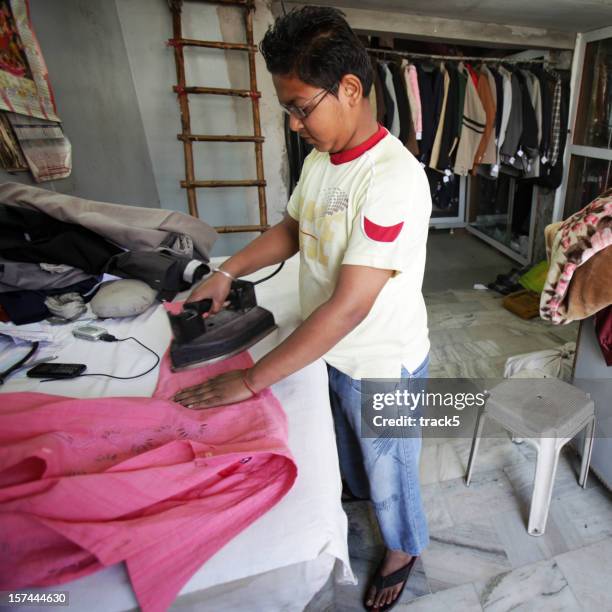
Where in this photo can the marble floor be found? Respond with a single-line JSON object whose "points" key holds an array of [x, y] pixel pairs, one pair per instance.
{"points": [[480, 556]]}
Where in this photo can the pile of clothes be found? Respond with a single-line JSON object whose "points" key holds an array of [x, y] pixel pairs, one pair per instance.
{"points": [[457, 118], [54, 250], [579, 280]]}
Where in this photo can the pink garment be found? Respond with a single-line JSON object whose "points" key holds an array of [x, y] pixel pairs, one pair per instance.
{"points": [[87, 483], [413, 82]]}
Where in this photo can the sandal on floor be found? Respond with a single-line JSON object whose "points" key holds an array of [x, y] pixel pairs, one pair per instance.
{"points": [[383, 582]]}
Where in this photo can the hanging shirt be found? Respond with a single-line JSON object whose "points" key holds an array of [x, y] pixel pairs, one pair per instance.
{"points": [[450, 133], [372, 99], [414, 97], [514, 129], [546, 92], [367, 206], [533, 86], [377, 86], [388, 82], [485, 153], [507, 85], [431, 88], [472, 126], [556, 124], [499, 101], [435, 152], [407, 134], [387, 105]]}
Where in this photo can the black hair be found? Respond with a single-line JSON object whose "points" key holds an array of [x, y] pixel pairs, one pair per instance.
{"points": [[317, 45]]}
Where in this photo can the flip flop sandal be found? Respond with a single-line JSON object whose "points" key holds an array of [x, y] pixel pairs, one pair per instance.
{"points": [[383, 582], [499, 288]]}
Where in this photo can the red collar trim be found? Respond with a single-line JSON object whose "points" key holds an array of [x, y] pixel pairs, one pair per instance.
{"points": [[350, 154]]}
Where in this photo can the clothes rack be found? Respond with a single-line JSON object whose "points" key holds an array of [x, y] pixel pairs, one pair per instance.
{"points": [[458, 58]]}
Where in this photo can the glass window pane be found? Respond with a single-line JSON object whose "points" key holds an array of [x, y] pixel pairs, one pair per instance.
{"points": [[588, 178], [501, 209], [594, 117]]}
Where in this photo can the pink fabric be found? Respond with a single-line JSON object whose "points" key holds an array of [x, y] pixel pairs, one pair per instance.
{"points": [[87, 483], [414, 87]]}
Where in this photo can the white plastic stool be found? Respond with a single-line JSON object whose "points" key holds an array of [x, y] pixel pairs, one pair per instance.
{"points": [[547, 413]]}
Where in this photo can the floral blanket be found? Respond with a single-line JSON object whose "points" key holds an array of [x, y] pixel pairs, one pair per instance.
{"points": [[575, 241]]}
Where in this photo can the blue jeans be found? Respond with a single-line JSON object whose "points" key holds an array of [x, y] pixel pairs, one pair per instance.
{"points": [[383, 469]]}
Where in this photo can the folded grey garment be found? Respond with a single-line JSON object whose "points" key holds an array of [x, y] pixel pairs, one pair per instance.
{"points": [[131, 227], [122, 298], [17, 275]]}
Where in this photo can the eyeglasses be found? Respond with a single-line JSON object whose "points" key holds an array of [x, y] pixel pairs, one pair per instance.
{"points": [[302, 112]]}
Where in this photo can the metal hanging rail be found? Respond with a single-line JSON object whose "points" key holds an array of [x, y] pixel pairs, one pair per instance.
{"points": [[461, 58]]}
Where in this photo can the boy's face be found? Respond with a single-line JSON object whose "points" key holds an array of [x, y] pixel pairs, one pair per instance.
{"points": [[329, 120]]}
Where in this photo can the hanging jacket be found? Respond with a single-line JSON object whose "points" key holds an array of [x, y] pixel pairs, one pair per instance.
{"points": [[505, 115], [372, 100], [472, 126], [514, 128], [381, 107], [435, 151], [533, 86], [450, 133], [546, 95], [529, 137], [389, 104], [414, 97], [555, 137], [499, 102], [431, 88], [485, 153], [388, 83], [551, 175], [407, 133]]}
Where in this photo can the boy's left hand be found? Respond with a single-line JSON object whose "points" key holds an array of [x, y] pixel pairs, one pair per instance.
{"points": [[227, 388]]}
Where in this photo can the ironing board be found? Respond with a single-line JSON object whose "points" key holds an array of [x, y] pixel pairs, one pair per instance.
{"points": [[285, 557]]}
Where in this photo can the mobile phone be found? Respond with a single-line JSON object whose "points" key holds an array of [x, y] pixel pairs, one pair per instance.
{"points": [[56, 370], [88, 332]]}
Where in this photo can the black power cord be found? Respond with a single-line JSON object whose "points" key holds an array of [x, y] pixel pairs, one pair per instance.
{"points": [[20, 364], [111, 338], [265, 278]]}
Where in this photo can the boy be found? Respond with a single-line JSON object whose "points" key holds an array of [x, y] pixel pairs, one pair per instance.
{"points": [[359, 218]]}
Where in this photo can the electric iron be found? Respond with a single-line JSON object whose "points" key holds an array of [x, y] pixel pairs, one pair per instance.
{"points": [[198, 340]]}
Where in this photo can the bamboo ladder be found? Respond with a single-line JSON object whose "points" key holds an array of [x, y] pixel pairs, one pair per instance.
{"points": [[183, 91]]}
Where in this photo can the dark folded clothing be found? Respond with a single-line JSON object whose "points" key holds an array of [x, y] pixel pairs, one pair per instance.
{"points": [[29, 306], [31, 236]]}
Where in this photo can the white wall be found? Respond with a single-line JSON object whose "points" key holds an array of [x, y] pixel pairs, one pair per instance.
{"points": [[146, 26]]}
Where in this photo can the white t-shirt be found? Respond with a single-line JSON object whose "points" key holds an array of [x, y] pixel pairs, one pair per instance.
{"points": [[368, 206]]}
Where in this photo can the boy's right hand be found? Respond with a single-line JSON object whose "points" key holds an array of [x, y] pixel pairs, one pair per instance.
{"points": [[215, 287]]}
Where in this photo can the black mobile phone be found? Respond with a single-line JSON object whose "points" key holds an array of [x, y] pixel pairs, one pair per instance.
{"points": [[57, 370]]}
